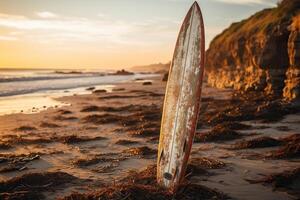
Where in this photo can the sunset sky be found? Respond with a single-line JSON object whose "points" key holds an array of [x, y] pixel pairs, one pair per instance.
{"points": [[104, 33]]}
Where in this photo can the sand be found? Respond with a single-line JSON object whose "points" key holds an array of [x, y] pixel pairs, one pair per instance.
{"points": [[96, 145]]}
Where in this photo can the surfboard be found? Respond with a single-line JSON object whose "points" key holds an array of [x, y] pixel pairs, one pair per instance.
{"points": [[182, 101]]}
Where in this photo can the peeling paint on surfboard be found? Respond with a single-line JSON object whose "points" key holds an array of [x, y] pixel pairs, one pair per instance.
{"points": [[182, 99]]}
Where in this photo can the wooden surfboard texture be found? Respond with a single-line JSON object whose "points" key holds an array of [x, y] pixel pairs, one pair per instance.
{"points": [[182, 99]]}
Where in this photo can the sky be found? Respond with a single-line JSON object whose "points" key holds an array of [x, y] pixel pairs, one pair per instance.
{"points": [[105, 34]]}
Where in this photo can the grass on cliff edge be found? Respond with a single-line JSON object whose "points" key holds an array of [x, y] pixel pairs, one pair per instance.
{"points": [[261, 22]]}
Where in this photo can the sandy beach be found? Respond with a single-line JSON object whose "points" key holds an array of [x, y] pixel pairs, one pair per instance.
{"points": [[150, 100], [103, 146]]}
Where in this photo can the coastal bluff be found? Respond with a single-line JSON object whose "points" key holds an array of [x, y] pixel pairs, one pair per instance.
{"points": [[259, 53]]}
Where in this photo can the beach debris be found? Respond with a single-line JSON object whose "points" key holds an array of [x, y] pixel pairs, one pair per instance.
{"points": [[288, 180], [288, 151], [147, 114], [147, 93], [64, 112], [4, 145], [31, 185], [16, 163], [289, 146], [234, 126], [244, 107], [207, 163], [21, 140], [147, 83], [30, 158], [127, 108], [139, 151], [21, 195], [126, 142], [63, 118], [116, 157], [121, 97], [108, 168], [142, 185], [102, 119], [260, 142], [90, 109], [71, 139], [25, 128], [283, 128], [49, 125], [118, 89], [99, 91], [145, 132], [291, 138], [99, 158], [218, 133]]}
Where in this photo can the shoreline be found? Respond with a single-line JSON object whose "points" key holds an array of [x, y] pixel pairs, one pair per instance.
{"points": [[102, 139], [31, 102]]}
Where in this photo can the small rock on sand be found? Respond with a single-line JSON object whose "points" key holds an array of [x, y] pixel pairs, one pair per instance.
{"points": [[99, 91]]}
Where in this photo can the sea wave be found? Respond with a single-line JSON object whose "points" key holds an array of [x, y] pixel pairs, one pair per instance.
{"points": [[5, 79], [24, 85]]}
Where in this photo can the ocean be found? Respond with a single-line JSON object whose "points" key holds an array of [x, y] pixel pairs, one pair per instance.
{"points": [[23, 90]]}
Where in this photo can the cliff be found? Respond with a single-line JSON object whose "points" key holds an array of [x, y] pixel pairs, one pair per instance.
{"points": [[259, 53]]}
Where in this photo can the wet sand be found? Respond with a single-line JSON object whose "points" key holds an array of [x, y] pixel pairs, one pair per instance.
{"points": [[103, 145]]}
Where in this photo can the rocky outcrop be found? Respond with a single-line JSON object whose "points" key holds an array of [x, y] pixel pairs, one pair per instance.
{"points": [[259, 53], [122, 72]]}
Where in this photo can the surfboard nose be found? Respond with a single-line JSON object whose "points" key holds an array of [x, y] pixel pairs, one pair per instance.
{"points": [[195, 6], [195, 3]]}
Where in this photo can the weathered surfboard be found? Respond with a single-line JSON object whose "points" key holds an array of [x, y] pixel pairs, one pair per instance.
{"points": [[182, 101]]}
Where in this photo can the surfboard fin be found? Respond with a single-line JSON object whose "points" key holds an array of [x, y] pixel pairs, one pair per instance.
{"points": [[161, 155], [168, 176]]}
